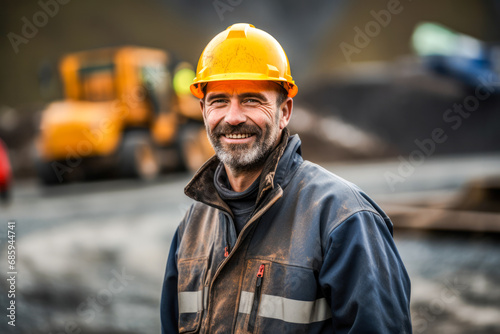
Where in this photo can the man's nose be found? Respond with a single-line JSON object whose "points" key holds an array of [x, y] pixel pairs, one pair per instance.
{"points": [[234, 115]]}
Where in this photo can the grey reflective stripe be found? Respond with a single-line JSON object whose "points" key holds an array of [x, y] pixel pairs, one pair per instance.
{"points": [[193, 301], [205, 297], [289, 310]]}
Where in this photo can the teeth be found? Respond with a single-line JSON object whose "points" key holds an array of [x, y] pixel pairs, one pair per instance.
{"points": [[238, 136]]}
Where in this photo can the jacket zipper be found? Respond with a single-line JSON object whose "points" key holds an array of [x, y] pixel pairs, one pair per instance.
{"points": [[258, 214], [227, 249], [256, 299]]}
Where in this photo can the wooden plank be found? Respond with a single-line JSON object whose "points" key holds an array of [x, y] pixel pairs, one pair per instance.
{"points": [[442, 219]]}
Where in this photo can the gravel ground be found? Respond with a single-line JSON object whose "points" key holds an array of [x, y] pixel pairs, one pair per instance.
{"points": [[91, 259]]}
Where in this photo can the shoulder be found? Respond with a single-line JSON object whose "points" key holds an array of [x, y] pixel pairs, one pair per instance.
{"points": [[316, 181], [347, 210], [336, 198]]}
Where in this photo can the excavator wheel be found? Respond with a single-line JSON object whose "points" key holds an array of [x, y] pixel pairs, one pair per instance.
{"points": [[193, 147], [47, 172], [138, 156]]}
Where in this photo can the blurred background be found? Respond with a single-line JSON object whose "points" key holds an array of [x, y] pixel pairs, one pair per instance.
{"points": [[98, 137]]}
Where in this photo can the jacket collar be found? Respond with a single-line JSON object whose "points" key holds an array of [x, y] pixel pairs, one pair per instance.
{"points": [[201, 187]]}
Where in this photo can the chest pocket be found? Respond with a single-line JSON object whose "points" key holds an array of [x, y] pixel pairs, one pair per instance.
{"points": [[192, 294], [279, 298]]}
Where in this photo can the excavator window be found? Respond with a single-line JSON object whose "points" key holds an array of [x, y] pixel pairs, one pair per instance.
{"points": [[156, 79], [97, 82]]}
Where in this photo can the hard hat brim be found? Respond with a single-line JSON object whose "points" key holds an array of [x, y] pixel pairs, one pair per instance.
{"points": [[197, 87]]}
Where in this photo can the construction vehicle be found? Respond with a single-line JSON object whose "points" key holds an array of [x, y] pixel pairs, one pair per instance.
{"points": [[125, 111]]}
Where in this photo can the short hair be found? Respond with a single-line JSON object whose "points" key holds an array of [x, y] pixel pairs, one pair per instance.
{"points": [[204, 89], [282, 96]]}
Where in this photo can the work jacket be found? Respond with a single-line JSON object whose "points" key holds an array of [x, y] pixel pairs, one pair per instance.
{"points": [[316, 256]]}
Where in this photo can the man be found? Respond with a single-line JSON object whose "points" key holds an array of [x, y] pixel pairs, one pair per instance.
{"points": [[274, 244]]}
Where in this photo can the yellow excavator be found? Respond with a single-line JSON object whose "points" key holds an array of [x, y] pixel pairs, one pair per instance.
{"points": [[127, 111]]}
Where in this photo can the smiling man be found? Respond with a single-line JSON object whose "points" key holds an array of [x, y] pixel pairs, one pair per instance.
{"points": [[244, 121], [273, 243]]}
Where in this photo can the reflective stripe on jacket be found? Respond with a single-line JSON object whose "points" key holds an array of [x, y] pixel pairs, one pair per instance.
{"points": [[317, 256]]}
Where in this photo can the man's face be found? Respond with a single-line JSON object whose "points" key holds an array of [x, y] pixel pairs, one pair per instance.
{"points": [[243, 121]]}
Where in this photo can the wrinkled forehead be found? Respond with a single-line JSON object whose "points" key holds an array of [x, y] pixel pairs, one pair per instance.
{"points": [[236, 87]]}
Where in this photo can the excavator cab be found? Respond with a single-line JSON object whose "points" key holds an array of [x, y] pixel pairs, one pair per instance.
{"points": [[120, 115]]}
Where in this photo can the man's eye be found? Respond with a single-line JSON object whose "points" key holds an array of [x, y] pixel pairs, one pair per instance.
{"points": [[218, 101], [251, 101]]}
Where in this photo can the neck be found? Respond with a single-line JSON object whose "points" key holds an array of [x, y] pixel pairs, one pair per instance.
{"points": [[240, 181]]}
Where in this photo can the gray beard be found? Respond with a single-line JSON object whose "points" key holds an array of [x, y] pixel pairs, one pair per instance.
{"points": [[246, 157]]}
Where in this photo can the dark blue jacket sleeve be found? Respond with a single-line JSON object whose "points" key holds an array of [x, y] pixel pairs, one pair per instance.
{"points": [[169, 307], [364, 278]]}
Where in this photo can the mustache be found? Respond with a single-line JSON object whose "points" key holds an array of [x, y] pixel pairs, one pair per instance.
{"points": [[223, 129]]}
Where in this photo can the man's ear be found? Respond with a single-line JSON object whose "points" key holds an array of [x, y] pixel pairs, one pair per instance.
{"points": [[286, 112]]}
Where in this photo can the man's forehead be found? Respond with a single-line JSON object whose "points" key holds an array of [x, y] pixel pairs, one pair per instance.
{"points": [[241, 86]]}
